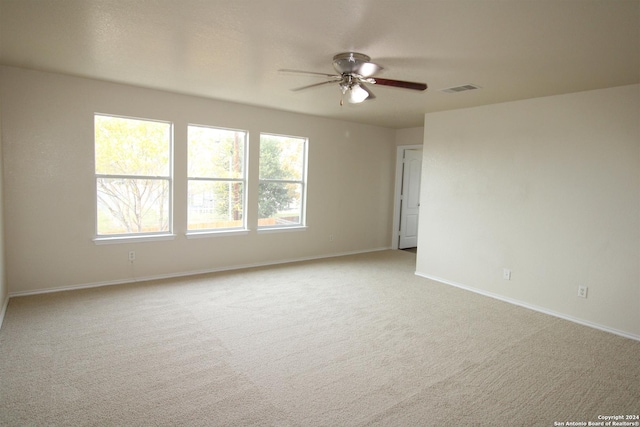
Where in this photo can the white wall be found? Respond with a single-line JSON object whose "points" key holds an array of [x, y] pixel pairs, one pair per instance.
{"points": [[549, 188], [49, 184]]}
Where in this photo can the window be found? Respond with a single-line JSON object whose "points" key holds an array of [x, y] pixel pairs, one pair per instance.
{"points": [[216, 179], [133, 176], [282, 181]]}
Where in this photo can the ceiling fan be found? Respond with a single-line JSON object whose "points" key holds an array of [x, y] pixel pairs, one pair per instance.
{"points": [[354, 70]]}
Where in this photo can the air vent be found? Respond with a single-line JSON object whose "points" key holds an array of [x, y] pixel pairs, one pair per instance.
{"points": [[461, 88]]}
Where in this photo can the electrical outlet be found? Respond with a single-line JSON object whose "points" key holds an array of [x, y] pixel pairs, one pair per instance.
{"points": [[506, 274], [132, 256], [582, 291]]}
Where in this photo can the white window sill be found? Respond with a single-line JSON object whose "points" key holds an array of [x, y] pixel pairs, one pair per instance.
{"points": [[282, 229], [215, 233], [105, 240]]}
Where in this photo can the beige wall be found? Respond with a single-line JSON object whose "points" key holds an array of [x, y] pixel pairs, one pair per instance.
{"points": [[49, 184], [3, 278], [410, 136], [549, 188]]}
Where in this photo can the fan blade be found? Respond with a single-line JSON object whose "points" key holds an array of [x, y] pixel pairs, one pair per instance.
{"points": [[367, 69], [310, 73], [313, 85], [399, 83]]}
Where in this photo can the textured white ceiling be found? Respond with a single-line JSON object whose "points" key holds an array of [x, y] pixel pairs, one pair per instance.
{"points": [[231, 50]]}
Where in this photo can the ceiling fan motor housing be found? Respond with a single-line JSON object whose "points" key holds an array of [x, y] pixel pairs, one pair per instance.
{"points": [[350, 62]]}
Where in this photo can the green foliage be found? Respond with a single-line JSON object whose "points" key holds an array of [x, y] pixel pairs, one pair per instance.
{"points": [[272, 196]]}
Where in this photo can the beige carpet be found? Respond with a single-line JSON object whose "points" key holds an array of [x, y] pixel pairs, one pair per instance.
{"points": [[350, 341]]}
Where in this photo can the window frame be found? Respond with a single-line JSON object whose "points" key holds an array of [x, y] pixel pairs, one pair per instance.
{"points": [[303, 182], [142, 236], [243, 181]]}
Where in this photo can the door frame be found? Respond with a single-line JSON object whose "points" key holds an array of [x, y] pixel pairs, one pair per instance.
{"points": [[395, 231]]}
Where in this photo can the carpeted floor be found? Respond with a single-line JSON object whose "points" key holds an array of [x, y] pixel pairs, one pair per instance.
{"points": [[349, 341]]}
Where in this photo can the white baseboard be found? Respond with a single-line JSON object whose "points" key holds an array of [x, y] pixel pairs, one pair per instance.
{"points": [[532, 307], [186, 273]]}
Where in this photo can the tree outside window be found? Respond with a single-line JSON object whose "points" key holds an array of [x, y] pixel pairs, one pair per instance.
{"points": [[216, 178], [133, 175], [282, 183]]}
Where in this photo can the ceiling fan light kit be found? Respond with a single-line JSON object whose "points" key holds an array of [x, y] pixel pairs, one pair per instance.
{"points": [[355, 94], [354, 70]]}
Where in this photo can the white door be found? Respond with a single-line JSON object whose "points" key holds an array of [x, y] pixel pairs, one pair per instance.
{"points": [[410, 199]]}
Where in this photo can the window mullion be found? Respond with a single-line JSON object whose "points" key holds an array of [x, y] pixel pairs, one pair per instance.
{"points": [[282, 181], [166, 178], [216, 179]]}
